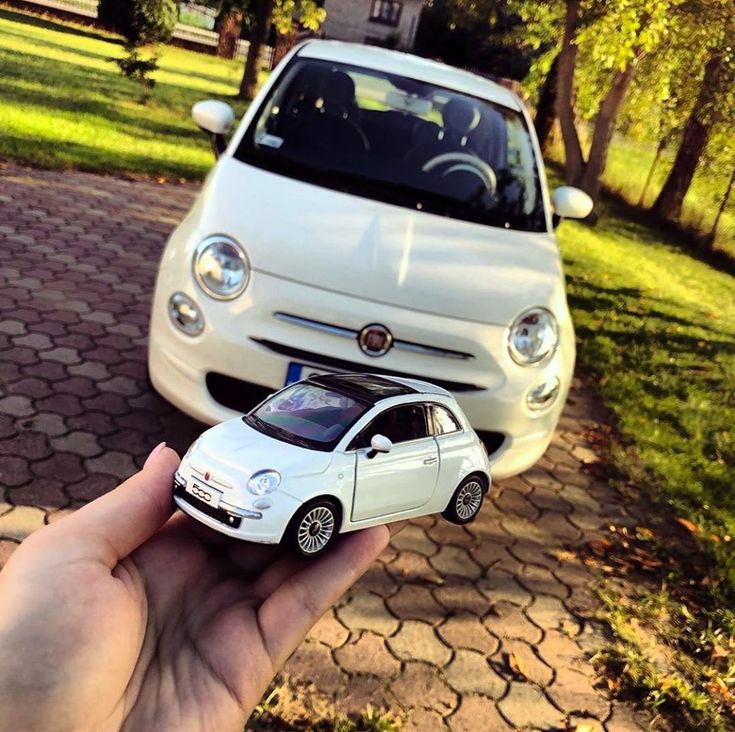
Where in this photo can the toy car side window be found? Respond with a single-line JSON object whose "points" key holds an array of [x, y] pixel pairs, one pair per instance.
{"points": [[443, 420], [399, 424]]}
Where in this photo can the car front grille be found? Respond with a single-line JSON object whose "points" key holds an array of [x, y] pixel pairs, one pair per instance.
{"points": [[218, 514]]}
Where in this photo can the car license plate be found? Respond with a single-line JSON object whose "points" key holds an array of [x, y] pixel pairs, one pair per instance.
{"points": [[298, 371], [204, 493]]}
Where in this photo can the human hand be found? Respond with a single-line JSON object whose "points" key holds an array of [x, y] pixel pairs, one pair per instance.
{"points": [[121, 616]]}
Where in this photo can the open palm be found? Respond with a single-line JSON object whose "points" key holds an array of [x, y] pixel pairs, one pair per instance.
{"points": [[122, 616]]}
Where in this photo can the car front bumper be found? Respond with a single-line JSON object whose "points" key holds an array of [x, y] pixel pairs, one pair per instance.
{"points": [[245, 345]]}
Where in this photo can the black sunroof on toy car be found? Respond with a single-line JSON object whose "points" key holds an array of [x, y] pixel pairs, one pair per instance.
{"points": [[368, 386]]}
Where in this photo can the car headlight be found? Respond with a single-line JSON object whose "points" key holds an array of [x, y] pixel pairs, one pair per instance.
{"points": [[221, 267], [533, 337], [264, 481]]}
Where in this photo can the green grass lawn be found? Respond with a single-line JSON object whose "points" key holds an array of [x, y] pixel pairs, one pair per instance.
{"points": [[657, 329], [63, 104]]}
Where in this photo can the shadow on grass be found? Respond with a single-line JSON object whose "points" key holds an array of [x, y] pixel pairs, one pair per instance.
{"points": [[57, 26]]}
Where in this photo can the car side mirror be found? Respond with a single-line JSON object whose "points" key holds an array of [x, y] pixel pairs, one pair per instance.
{"points": [[379, 443], [570, 203], [216, 118]]}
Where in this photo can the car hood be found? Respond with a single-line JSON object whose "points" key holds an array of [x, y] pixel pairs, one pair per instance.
{"points": [[377, 251], [242, 451]]}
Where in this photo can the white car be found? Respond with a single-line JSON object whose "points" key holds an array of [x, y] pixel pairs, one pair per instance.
{"points": [[374, 211], [332, 454]]}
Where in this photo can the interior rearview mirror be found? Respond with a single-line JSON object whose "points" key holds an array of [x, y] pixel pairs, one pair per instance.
{"points": [[216, 118], [570, 203], [379, 443]]}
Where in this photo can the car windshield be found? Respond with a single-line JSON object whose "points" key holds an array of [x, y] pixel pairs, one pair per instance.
{"points": [[398, 140], [307, 415]]}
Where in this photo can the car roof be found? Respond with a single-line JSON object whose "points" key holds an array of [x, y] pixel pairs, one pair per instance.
{"points": [[374, 387], [413, 67]]}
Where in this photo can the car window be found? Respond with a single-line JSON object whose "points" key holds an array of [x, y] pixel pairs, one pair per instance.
{"points": [[399, 424], [392, 138], [308, 415], [444, 421]]}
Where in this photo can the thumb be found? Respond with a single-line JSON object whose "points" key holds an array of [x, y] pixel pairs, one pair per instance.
{"points": [[114, 525]]}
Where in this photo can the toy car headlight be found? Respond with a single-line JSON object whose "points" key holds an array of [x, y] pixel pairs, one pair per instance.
{"points": [[264, 481], [533, 337], [221, 267]]}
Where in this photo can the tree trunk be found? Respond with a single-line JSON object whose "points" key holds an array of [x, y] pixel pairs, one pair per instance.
{"points": [[670, 200], [603, 132], [545, 110], [573, 160], [258, 36], [230, 26], [659, 152], [723, 206]]}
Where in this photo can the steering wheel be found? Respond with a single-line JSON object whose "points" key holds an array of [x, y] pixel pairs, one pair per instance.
{"points": [[466, 163]]}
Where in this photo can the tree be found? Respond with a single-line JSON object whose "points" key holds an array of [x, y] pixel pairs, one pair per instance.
{"points": [[229, 27], [284, 15], [141, 22]]}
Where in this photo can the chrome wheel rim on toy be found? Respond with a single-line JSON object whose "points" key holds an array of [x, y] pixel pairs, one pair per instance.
{"points": [[315, 530], [469, 499]]}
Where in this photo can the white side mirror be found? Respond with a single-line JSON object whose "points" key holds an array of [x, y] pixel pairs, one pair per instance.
{"points": [[380, 443], [212, 116], [571, 203]]}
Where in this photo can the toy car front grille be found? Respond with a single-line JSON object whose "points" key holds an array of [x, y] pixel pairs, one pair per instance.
{"points": [[218, 514]]}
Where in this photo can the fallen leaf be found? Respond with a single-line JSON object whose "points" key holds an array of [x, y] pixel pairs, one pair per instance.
{"points": [[719, 652], [516, 666], [643, 533], [688, 525], [600, 546]]}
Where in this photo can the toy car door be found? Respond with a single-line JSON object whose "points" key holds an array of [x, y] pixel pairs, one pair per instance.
{"points": [[402, 479]]}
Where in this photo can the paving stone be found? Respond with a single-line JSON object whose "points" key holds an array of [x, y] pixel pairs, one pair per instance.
{"points": [[500, 586], [423, 720], [413, 538], [477, 713], [415, 602], [34, 340], [20, 522], [329, 630], [121, 385], [92, 486], [312, 663], [62, 355], [548, 612], [17, 406], [12, 327], [526, 706], [573, 692], [366, 611], [363, 690], [413, 567], [507, 620], [90, 369], [80, 443], [462, 595], [377, 580], [541, 581], [14, 470], [420, 686], [469, 672], [488, 553], [453, 560], [417, 640], [30, 444], [517, 657], [119, 464], [465, 630], [46, 493], [625, 719], [367, 655]]}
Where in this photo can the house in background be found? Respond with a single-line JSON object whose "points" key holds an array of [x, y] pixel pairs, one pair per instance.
{"points": [[391, 23]]}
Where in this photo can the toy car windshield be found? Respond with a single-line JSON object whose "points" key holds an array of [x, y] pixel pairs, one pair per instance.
{"points": [[307, 415]]}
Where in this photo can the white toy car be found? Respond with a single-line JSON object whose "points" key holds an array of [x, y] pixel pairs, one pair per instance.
{"points": [[373, 212], [331, 454]]}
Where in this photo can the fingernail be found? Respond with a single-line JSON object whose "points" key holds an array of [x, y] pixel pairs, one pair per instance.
{"points": [[155, 451]]}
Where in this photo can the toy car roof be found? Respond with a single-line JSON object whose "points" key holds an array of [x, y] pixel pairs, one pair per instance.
{"points": [[373, 388]]}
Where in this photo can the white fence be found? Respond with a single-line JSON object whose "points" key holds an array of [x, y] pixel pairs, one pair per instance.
{"points": [[183, 32]]}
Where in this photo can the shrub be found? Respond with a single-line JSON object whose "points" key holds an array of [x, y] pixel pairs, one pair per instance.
{"points": [[140, 21]]}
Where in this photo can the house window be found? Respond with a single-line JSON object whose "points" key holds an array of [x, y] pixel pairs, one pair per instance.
{"points": [[387, 12]]}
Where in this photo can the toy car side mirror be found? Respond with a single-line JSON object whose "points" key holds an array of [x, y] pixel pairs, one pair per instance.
{"points": [[379, 443], [570, 203], [217, 119]]}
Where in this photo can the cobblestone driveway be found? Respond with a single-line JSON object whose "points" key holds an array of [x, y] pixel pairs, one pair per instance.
{"points": [[486, 628]]}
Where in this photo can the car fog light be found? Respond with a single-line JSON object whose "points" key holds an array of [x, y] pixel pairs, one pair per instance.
{"points": [[264, 481], [543, 395], [185, 314]]}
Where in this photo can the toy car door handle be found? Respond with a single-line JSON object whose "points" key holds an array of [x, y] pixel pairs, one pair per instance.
{"points": [[429, 460]]}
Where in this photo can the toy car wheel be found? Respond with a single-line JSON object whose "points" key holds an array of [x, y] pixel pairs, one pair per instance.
{"points": [[313, 529], [466, 501]]}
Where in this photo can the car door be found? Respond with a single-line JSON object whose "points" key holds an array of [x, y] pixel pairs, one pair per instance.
{"points": [[402, 479]]}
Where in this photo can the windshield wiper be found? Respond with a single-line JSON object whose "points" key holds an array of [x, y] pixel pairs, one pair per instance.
{"points": [[273, 430]]}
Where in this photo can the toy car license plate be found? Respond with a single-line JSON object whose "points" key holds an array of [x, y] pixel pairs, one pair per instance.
{"points": [[204, 493], [298, 371]]}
